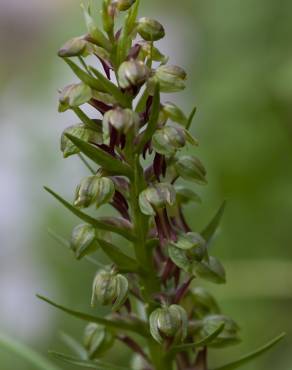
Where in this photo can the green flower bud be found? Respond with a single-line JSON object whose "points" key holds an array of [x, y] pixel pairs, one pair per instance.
{"points": [[170, 78], [73, 48], [110, 289], [210, 269], [174, 113], [191, 168], [168, 140], [123, 5], [203, 301], [83, 240], [73, 96], [81, 132], [169, 323], [94, 190], [132, 73], [156, 197], [121, 119], [189, 247], [150, 29], [97, 340], [185, 195], [228, 336]]}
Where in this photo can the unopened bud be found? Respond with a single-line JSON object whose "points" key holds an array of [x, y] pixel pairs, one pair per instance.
{"points": [[94, 190], [83, 240], [150, 29], [73, 48], [168, 140], [123, 5], [169, 323], [204, 301], [97, 340], [132, 73], [74, 95], [229, 334], [185, 195], [110, 288], [193, 244], [175, 114], [170, 78], [191, 168], [81, 132], [156, 197], [121, 119]]}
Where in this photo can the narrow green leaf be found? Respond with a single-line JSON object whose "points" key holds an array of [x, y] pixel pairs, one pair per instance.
{"points": [[101, 158], [152, 124], [124, 262], [136, 327], [84, 77], [36, 360], [191, 117], [211, 228], [201, 343], [251, 356], [74, 345], [112, 89], [120, 226], [99, 365]]}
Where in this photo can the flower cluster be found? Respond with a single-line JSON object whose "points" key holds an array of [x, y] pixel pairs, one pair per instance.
{"points": [[135, 145]]}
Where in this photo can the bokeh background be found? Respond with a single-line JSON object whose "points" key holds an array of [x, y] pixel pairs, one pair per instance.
{"points": [[239, 59]]}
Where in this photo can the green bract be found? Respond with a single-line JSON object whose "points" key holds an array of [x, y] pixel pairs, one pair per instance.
{"points": [[131, 144], [110, 289], [94, 190], [169, 323]]}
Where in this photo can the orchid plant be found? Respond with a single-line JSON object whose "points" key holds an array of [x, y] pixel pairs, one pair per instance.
{"points": [[134, 148]]}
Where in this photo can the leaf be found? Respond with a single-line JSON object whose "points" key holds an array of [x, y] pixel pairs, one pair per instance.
{"points": [[136, 327], [118, 226], [249, 357], [84, 77], [152, 124], [191, 117], [202, 343], [39, 362], [211, 228], [74, 345], [211, 270], [124, 262], [99, 365], [112, 89], [101, 158]]}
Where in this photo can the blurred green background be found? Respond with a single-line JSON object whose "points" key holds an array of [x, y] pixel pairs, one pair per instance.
{"points": [[238, 56]]}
